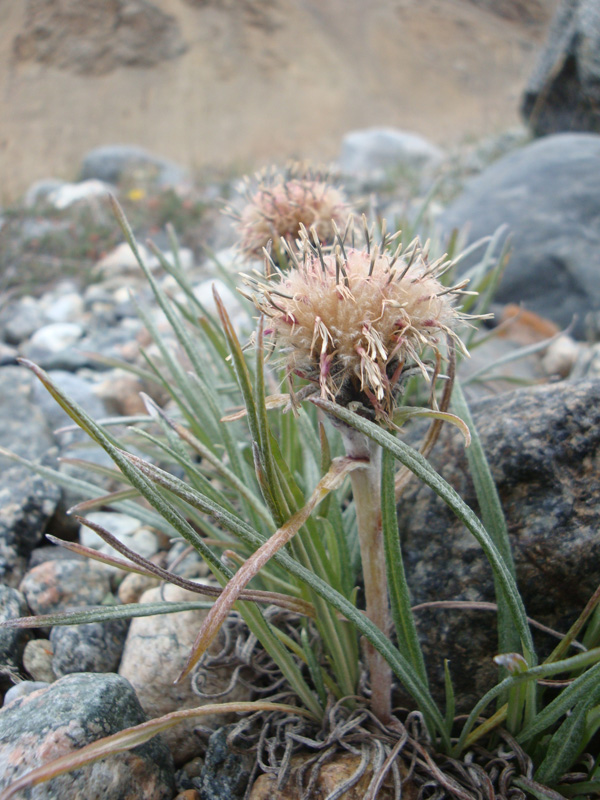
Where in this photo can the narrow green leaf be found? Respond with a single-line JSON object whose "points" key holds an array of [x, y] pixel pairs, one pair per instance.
{"points": [[313, 667], [408, 640], [423, 470], [586, 686], [541, 672], [492, 517], [536, 789], [565, 744], [83, 616]]}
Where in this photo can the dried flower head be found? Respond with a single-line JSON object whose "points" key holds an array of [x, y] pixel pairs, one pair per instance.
{"points": [[354, 322], [282, 203]]}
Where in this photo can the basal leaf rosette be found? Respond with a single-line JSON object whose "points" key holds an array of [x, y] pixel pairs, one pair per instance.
{"points": [[282, 203], [355, 322]]}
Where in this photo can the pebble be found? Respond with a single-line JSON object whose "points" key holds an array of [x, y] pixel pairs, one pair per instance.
{"points": [[120, 393], [27, 502], [122, 260], [133, 586], [20, 319], [37, 660], [69, 193], [93, 647], [155, 653], [58, 585], [8, 355], [55, 337], [38, 192], [22, 689], [561, 356], [66, 308], [126, 529]]}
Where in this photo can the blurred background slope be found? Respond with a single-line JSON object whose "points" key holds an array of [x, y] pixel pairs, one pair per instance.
{"points": [[230, 84]]}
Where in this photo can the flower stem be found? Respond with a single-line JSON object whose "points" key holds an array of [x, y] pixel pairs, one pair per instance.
{"points": [[366, 490]]}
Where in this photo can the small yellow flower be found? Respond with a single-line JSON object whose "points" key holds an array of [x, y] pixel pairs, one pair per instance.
{"points": [[355, 321], [136, 194]]}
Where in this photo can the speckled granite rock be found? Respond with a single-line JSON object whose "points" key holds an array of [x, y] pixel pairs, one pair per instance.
{"points": [[57, 585], [12, 640], [94, 647], [27, 502], [543, 445], [23, 427], [224, 774], [70, 713]]}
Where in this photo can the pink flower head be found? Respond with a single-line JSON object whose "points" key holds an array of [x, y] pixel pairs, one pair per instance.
{"points": [[355, 321], [281, 204]]}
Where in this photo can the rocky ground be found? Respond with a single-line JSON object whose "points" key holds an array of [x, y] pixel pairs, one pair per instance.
{"points": [[70, 294], [69, 304]]}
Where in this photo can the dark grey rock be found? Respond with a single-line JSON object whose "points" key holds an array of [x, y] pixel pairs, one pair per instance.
{"points": [[58, 585], [115, 162], [224, 774], [27, 502], [563, 93], [12, 640], [23, 427], [75, 711], [95, 647], [543, 445], [548, 195]]}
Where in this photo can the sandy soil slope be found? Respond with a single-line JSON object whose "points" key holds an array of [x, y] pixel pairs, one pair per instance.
{"points": [[229, 84]]}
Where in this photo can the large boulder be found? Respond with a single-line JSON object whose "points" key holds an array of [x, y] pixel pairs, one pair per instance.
{"points": [[563, 93], [543, 445], [548, 195]]}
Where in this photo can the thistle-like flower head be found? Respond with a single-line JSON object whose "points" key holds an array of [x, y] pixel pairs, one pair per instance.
{"points": [[283, 202], [355, 321]]}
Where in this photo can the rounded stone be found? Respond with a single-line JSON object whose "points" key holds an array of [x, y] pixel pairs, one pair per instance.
{"points": [[93, 647], [155, 654], [58, 585], [37, 660], [62, 718]]}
